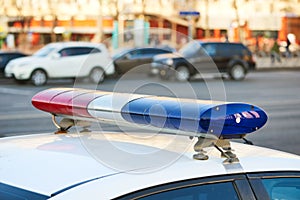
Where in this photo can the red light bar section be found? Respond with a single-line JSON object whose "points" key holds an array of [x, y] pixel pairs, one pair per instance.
{"points": [[65, 101]]}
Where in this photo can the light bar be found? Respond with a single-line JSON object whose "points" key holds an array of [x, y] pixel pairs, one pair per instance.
{"points": [[223, 119]]}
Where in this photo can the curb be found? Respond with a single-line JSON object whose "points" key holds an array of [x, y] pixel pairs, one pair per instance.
{"points": [[285, 64]]}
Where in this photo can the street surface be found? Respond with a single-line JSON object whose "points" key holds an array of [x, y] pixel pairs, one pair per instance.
{"points": [[277, 92]]}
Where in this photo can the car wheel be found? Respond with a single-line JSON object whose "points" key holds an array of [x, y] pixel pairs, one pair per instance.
{"points": [[182, 73], [164, 75], [38, 77], [97, 75], [237, 72]]}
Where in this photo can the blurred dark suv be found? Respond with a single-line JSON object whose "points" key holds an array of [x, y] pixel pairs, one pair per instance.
{"points": [[233, 59]]}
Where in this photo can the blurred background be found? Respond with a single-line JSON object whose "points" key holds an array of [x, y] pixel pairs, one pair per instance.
{"points": [[30, 24]]}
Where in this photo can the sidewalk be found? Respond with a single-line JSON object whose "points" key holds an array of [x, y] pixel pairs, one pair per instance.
{"points": [[264, 63]]}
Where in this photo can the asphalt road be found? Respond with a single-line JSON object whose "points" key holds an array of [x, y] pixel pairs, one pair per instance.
{"points": [[277, 92]]}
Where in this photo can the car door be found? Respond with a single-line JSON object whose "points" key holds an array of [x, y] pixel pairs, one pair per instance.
{"points": [[203, 59], [64, 63], [125, 62], [228, 187], [223, 56]]}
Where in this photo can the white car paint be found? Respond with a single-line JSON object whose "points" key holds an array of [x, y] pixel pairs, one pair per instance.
{"points": [[49, 163], [58, 66]]}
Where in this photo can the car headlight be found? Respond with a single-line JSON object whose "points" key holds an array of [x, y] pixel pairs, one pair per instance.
{"points": [[169, 61]]}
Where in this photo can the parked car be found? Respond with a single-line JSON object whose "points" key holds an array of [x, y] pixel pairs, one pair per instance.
{"points": [[6, 56], [134, 57], [196, 57], [141, 166], [63, 60]]}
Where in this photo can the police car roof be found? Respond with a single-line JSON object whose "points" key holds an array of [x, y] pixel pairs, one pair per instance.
{"points": [[49, 164]]}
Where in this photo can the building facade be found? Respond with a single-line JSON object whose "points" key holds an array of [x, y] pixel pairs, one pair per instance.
{"points": [[37, 22]]}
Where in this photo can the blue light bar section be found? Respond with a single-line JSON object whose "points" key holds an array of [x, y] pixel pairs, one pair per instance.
{"points": [[226, 120], [234, 119]]}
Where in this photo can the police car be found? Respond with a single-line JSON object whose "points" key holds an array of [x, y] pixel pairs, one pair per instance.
{"points": [[190, 157]]}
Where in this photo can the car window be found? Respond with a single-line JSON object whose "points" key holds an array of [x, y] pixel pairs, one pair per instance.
{"points": [[185, 190], [45, 51], [282, 188], [224, 191], [153, 51], [230, 49], [224, 49], [210, 49], [8, 192], [137, 54], [233, 49], [134, 53], [236, 49], [144, 53], [76, 51], [190, 49]]}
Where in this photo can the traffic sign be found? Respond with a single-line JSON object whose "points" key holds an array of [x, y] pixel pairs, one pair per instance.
{"points": [[189, 13]]}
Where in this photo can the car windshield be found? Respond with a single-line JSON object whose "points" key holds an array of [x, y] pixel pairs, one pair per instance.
{"points": [[120, 53], [189, 49], [45, 51]]}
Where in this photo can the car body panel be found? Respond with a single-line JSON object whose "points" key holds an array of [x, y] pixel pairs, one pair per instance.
{"points": [[69, 65], [54, 164], [50, 163], [185, 168], [21, 68]]}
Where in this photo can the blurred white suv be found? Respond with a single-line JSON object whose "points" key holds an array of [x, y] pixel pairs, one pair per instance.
{"points": [[63, 60]]}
